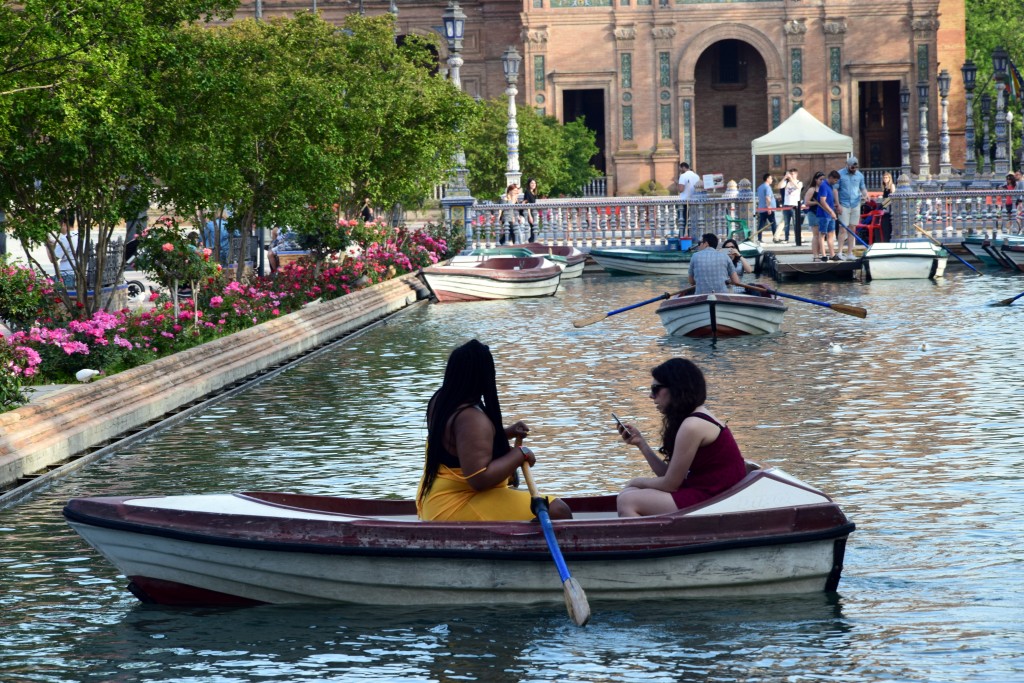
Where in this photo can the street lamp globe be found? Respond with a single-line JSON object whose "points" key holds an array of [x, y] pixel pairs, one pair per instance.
{"points": [[454, 25], [1000, 63], [510, 62], [970, 73], [904, 98], [943, 80], [922, 92]]}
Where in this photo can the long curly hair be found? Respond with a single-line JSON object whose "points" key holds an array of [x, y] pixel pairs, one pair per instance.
{"points": [[469, 378], [688, 391]]}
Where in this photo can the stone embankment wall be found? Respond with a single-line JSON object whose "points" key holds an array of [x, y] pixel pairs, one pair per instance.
{"points": [[57, 426]]}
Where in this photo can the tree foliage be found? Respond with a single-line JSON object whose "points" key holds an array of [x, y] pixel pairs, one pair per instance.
{"points": [[557, 156], [76, 116], [992, 24]]}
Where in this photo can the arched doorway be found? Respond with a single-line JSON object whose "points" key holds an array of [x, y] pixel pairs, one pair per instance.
{"points": [[730, 107]]}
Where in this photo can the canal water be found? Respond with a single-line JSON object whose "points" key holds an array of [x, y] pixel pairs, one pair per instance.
{"points": [[915, 427]]}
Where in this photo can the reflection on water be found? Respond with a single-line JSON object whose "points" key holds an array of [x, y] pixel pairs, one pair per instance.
{"points": [[914, 427]]}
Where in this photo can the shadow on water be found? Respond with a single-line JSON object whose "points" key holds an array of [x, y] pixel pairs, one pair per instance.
{"points": [[696, 639]]}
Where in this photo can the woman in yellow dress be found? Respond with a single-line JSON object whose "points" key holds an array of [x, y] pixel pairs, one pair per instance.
{"points": [[469, 459]]}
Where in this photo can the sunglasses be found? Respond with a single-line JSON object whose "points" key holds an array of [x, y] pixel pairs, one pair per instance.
{"points": [[655, 388]]}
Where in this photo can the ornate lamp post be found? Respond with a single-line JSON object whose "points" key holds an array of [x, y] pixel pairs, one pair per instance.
{"points": [[454, 27], [970, 73], [1000, 61], [986, 153], [457, 202], [510, 62], [945, 169], [905, 131], [924, 170]]}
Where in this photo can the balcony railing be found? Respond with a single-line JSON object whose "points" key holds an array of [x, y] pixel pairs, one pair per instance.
{"points": [[609, 221]]}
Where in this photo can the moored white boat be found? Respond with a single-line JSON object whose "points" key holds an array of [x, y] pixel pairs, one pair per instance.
{"points": [[770, 534], [494, 278], [905, 260], [574, 258], [643, 261], [571, 266], [721, 315]]}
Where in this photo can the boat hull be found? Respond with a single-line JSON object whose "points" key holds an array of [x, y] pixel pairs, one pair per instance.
{"points": [[1013, 252], [496, 278], [768, 535], [627, 261], [721, 315], [978, 248], [904, 261]]}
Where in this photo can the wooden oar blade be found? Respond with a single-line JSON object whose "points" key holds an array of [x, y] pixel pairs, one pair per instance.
{"points": [[849, 310], [1007, 302], [576, 602], [583, 322]]}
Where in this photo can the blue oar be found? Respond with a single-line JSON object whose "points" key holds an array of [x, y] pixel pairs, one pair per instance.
{"points": [[575, 598], [854, 233], [598, 317], [1007, 302], [942, 246], [855, 311]]}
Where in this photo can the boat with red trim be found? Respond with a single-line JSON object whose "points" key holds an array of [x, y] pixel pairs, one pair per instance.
{"points": [[770, 534]]}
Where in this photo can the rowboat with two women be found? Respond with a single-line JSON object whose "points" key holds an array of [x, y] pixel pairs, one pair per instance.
{"points": [[770, 534]]}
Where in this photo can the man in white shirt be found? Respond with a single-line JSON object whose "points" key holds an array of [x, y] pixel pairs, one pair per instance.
{"points": [[687, 184], [792, 195]]}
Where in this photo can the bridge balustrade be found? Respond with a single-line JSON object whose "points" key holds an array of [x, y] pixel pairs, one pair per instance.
{"points": [[608, 221]]}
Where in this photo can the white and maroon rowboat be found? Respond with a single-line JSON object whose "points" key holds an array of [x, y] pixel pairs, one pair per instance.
{"points": [[575, 259], [770, 534], [495, 278], [721, 315]]}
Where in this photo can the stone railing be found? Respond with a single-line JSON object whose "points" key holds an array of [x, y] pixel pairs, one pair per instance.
{"points": [[613, 221], [951, 214]]}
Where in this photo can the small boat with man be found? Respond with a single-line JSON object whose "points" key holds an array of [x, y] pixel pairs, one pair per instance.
{"points": [[721, 315], [769, 534], [498, 277]]}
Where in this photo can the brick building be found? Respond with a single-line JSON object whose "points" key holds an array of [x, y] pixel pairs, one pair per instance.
{"points": [[661, 81]]}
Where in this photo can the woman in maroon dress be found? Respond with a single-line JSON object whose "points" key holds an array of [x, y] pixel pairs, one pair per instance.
{"points": [[701, 458]]}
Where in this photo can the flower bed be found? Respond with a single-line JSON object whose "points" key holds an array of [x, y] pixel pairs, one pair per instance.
{"points": [[53, 352]]}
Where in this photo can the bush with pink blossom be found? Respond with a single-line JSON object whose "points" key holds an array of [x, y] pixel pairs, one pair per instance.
{"points": [[112, 342]]}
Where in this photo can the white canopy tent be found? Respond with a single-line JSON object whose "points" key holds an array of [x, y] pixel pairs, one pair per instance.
{"points": [[801, 133]]}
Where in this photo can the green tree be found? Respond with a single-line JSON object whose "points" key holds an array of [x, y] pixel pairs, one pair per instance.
{"points": [[283, 119], [76, 116], [991, 24]]}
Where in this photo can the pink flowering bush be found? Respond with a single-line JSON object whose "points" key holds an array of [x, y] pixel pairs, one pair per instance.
{"points": [[111, 342], [25, 297], [17, 363]]}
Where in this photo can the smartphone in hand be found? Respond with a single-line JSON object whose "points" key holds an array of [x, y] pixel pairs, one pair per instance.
{"points": [[622, 427]]}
